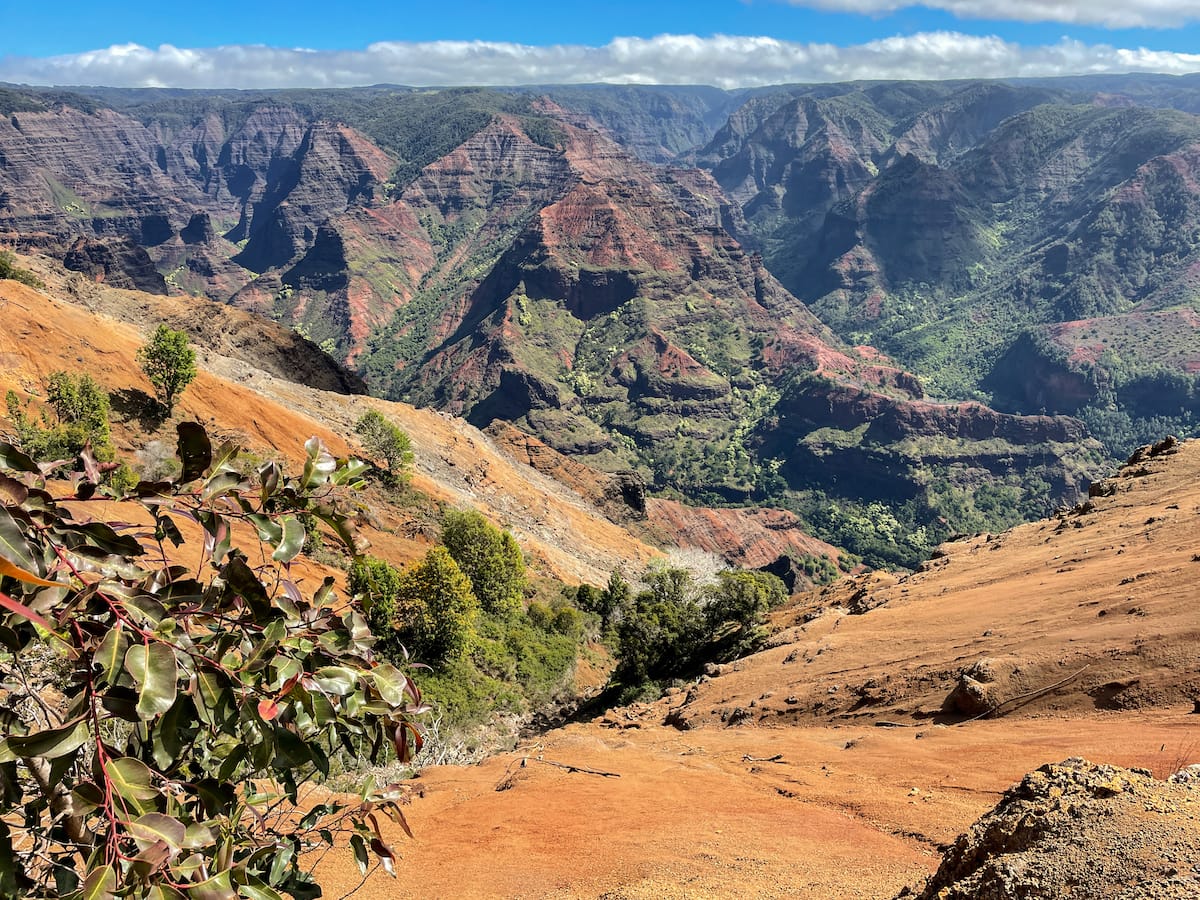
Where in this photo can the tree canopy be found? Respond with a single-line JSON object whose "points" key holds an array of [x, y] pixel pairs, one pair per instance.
{"points": [[488, 556], [170, 364]]}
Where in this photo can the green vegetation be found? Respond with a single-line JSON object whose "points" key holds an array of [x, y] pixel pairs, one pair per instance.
{"points": [[170, 364], [164, 708], [676, 624], [489, 557], [80, 409], [9, 270], [428, 611], [384, 440]]}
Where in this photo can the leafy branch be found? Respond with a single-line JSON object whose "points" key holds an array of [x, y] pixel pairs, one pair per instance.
{"points": [[159, 720]]}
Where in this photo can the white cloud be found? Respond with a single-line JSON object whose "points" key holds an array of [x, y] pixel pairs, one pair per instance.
{"points": [[668, 59], [1105, 13]]}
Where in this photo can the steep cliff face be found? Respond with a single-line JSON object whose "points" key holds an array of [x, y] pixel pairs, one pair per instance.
{"points": [[611, 314], [540, 274], [995, 238]]}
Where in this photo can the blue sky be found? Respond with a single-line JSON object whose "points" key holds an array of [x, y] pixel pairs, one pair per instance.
{"points": [[620, 40]]}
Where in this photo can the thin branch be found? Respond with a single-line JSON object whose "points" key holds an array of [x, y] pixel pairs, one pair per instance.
{"points": [[569, 768], [359, 886]]}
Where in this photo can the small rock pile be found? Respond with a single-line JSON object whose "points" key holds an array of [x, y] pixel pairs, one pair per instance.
{"points": [[1079, 830]]}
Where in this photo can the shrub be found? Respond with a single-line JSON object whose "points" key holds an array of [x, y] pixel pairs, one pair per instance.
{"points": [[676, 625], [80, 417], [429, 609], [735, 610], [169, 761], [387, 441], [11, 271], [489, 557], [169, 363]]}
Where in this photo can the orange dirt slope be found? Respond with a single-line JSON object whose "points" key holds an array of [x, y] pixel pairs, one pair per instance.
{"points": [[455, 463], [825, 766]]}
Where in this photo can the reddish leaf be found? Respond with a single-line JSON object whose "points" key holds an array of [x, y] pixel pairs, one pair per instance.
{"points": [[268, 709], [22, 610]]}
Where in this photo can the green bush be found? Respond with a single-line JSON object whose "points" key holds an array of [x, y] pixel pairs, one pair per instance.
{"points": [[80, 416], [489, 557], [386, 441], [675, 625], [429, 609], [9, 270]]}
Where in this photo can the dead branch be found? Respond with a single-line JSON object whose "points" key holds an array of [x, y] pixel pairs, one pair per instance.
{"points": [[568, 767]]}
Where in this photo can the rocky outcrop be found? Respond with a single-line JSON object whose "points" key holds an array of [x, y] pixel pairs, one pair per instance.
{"points": [[1077, 829], [749, 538], [620, 496], [119, 263], [889, 418]]}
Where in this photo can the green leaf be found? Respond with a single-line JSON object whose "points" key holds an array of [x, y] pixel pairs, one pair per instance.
{"points": [[224, 457], [337, 680], [221, 483], [198, 836], [212, 692], [319, 465], [51, 743], [154, 668], [350, 471], [131, 778], [13, 459], [194, 451], [269, 476], [154, 827], [110, 655], [259, 892], [13, 545], [86, 797], [146, 609], [100, 884], [241, 578], [361, 856], [292, 542], [280, 864], [168, 737], [268, 529], [216, 888], [105, 537], [391, 683]]}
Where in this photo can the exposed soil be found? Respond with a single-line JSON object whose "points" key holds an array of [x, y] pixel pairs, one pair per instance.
{"points": [[874, 778]]}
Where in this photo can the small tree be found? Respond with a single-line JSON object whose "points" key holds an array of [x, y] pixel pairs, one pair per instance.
{"points": [[80, 408], [385, 440], [490, 557], [429, 609], [169, 363]]}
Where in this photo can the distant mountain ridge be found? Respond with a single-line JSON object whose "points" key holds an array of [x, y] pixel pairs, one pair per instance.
{"points": [[501, 256], [1024, 242]]}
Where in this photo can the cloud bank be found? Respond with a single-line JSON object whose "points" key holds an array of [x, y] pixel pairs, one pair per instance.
{"points": [[668, 59], [1105, 13]]}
